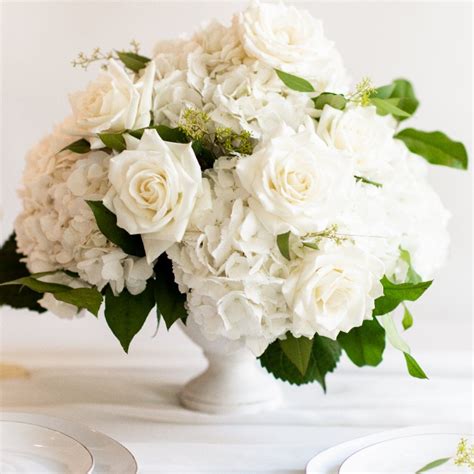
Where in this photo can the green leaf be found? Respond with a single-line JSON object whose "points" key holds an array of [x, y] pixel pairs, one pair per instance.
{"points": [[168, 134], [205, 157], [39, 286], [413, 367], [432, 465], [394, 294], [393, 336], [384, 92], [325, 354], [298, 350], [407, 321], [115, 141], [83, 298], [169, 299], [367, 181], [12, 267], [294, 82], [412, 276], [399, 89], [80, 146], [133, 61], [107, 223], [125, 313], [311, 245], [336, 101], [435, 147], [364, 345], [388, 106], [283, 242]]}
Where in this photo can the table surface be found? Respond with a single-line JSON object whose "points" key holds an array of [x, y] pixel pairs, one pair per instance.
{"points": [[136, 403]]}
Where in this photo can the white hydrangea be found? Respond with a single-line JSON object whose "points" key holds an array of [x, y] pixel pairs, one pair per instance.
{"points": [[231, 266], [57, 229]]}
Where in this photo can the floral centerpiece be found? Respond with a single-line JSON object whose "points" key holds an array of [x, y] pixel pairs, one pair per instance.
{"points": [[236, 178]]}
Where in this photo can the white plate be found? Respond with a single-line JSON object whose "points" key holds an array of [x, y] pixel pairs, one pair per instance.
{"points": [[330, 460], [406, 455], [109, 455], [27, 448]]}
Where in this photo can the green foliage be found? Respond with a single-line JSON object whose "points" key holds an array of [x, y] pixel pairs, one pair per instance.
{"points": [[364, 345], [294, 82], [391, 331], [167, 134], [412, 276], [125, 313], [435, 147], [367, 181], [12, 267], [389, 106], [204, 156], [432, 465], [79, 146], [325, 354], [311, 245], [395, 294], [170, 301], [283, 242], [107, 223], [133, 61], [114, 141], [336, 101], [407, 321], [413, 367], [82, 298], [298, 350], [402, 90]]}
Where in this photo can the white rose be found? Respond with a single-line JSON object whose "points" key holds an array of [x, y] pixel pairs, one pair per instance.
{"points": [[296, 182], [360, 132], [333, 290], [292, 40], [154, 190], [113, 102]]}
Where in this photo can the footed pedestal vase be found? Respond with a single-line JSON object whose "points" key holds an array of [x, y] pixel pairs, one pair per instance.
{"points": [[233, 382]]}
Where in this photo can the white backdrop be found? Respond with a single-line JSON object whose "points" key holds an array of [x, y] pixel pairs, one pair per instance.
{"points": [[429, 43]]}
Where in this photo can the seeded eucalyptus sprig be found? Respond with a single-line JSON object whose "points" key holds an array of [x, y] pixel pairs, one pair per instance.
{"points": [[196, 124], [464, 457], [131, 59]]}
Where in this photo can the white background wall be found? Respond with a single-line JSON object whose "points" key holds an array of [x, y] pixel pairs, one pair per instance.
{"points": [[429, 43]]}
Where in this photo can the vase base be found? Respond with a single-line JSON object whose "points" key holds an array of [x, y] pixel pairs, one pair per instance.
{"points": [[215, 408], [232, 388]]}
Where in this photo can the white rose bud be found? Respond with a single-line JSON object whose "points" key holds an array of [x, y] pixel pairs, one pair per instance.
{"points": [[154, 190]]}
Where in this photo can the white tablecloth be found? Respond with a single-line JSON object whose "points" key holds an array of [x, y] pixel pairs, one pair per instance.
{"points": [[136, 403]]}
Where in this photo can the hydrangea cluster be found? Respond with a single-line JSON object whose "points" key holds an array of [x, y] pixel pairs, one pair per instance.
{"points": [[287, 224]]}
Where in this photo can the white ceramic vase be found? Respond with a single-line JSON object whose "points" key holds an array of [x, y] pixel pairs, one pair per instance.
{"points": [[233, 383]]}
